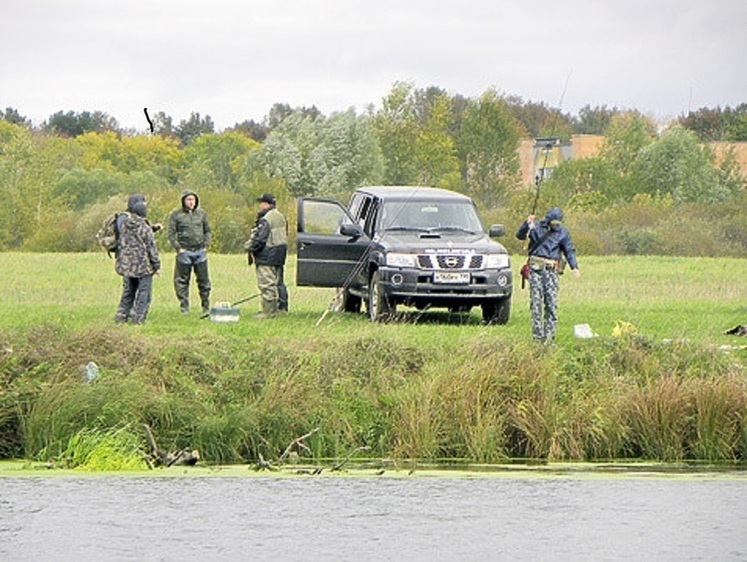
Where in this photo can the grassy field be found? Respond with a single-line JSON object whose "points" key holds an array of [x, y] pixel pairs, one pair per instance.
{"points": [[431, 386], [663, 297]]}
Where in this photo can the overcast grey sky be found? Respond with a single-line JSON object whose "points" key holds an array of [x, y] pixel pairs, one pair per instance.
{"points": [[233, 59]]}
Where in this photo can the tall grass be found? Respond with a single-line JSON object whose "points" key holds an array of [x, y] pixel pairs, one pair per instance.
{"points": [[438, 386]]}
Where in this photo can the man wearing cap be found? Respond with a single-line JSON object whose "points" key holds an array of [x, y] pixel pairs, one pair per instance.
{"points": [[268, 247], [189, 234], [549, 242]]}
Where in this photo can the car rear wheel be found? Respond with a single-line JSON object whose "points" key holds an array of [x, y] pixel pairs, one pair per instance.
{"points": [[497, 311], [379, 307]]}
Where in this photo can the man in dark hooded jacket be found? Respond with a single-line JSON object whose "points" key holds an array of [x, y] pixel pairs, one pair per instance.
{"points": [[137, 262], [189, 234], [549, 242]]}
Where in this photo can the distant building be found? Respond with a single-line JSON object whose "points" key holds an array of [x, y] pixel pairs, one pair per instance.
{"points": [[538, 158]]}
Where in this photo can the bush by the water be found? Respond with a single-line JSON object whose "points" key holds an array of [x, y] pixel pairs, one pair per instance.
{"points": [[235, 399]]}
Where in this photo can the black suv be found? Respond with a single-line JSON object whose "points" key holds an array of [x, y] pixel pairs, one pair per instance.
{"points": [[416, 246]]}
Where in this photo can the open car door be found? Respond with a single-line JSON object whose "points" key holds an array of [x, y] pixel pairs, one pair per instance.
{"points": [[330, 244]]}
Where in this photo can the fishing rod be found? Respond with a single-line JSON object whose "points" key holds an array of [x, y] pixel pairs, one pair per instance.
{"points": [[234, 304], [539, 177]]}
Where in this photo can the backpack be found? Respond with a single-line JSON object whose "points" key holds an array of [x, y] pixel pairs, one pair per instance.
{"points": [[108, 234]]}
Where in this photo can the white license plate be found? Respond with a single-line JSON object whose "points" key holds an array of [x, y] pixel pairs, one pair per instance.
{"points": [[451, 277]]}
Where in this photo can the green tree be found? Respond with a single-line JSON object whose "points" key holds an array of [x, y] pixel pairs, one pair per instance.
{"points": [[72, 124], [319, 156], [279, 111], [435, 152], [215, 160], [14, 117], [677, 164], [594, 120], [396, 129], [736, 123], [163, 124], [251, 129], [28, 173], [286, 152], [579, 183], [487, 146], [538, 120], [708, 124], [628, 133], [346, 156], [190, 129], [78, 188]]}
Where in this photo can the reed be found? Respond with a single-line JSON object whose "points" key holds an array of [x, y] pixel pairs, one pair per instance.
{"points": [[432, 387]]}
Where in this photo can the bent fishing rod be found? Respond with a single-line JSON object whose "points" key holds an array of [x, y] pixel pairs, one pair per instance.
{"points": [[548, 146]]}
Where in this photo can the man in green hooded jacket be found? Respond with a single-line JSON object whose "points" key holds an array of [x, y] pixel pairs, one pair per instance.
{"points": [[189, 234]]}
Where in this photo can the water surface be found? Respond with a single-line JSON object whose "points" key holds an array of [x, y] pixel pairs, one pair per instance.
{"points": [[373, 518]]}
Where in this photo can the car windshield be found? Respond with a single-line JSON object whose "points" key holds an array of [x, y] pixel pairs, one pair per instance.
{"points": [[430, 216]]}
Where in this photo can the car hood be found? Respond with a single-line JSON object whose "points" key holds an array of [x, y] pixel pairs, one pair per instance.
{"points": [[417, 242]]}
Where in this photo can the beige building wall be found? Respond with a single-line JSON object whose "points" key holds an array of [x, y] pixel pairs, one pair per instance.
{"points": [[740, 152], [585, 146]]}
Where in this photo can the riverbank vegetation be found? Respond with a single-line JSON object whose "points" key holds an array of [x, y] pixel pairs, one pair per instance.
{"points": [[660, 382]]}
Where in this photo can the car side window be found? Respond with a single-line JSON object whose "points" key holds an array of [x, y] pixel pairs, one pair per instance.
{"points": [[364, 214], [323, 217]]}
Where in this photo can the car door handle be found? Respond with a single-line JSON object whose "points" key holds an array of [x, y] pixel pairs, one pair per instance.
{"points": [[303, 245]]}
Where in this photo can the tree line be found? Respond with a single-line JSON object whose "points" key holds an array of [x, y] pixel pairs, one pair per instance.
{"points": [[58, 180]]}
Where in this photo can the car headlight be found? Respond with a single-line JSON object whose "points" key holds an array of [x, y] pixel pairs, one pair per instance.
{"points": [[497, 261], [400, 260]]}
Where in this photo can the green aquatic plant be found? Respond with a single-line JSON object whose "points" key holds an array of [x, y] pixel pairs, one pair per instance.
{"points": [[114, 449]]}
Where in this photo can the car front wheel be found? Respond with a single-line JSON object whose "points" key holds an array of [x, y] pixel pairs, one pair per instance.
{"points": [[379, 307], [350, 303], [496, 311]]}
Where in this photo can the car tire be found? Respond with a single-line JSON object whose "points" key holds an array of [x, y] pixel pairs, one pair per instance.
{"points": [[379, 307], [496, 311], [350, 303]]}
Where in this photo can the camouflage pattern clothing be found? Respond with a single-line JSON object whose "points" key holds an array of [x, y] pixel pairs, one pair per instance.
{"points": [[544, 285], [137, 262], [549, 243]]}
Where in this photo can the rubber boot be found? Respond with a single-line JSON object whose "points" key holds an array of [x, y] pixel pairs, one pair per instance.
{"points": [[269, 310]]}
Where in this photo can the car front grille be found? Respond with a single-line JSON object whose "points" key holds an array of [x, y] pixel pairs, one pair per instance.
{"points": [[451, 262]]}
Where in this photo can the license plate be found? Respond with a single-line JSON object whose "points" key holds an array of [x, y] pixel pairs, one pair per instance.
{"points": [[451, 277]]}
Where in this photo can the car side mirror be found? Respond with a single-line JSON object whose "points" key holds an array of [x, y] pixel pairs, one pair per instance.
{"points": [[496, 231], [351, 230]]}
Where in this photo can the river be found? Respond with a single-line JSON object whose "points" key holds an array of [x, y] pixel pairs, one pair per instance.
{"points": [[567, 517]]}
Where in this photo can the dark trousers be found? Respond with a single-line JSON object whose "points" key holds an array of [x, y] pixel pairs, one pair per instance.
{"points": [[282, 291], [186, 262], [135, 302]]}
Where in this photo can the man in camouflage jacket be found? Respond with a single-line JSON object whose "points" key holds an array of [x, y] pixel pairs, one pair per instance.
{"points": [[137, 262]]}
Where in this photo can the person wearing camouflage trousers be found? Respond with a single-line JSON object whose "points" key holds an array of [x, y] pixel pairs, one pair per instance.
{"points": [[268, 247], [549, 242], [189, 234], [137, 262]]}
